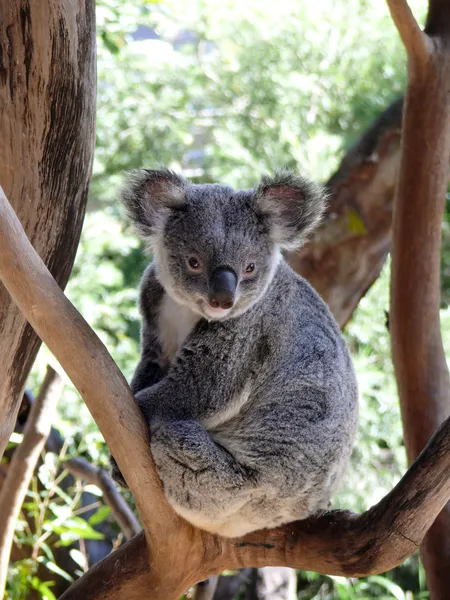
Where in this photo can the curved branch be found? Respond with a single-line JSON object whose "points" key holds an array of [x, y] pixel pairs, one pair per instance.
{"points": [[414, 39], [88, 364], [417, 351], [336, 543]]}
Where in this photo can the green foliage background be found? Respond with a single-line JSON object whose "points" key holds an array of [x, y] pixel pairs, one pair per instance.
{"points": [[255, 84]]}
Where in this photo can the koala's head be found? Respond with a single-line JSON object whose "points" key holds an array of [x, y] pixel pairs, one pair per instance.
{"points": [[216, 248]]}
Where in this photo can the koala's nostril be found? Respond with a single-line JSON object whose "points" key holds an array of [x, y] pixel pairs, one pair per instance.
{"points": [[220, 301]]}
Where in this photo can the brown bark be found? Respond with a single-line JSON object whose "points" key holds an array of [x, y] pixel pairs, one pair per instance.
{"points": [[47, 106], [419, 360], [346, 254], [23, 463], [171, 555]]}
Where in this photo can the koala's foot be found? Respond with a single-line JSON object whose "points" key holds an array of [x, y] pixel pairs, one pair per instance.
{"points": [[199, 476], [116, 474]]}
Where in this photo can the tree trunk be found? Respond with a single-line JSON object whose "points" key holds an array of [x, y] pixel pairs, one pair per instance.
{"points": [[47, 122], [419, 360]]}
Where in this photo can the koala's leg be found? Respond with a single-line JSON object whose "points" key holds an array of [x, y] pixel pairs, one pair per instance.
{"points": [[202, 480]]}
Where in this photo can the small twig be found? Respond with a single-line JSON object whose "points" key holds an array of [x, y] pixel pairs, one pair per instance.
{"points": [[23, 463], [81, 468], [416, 42]]}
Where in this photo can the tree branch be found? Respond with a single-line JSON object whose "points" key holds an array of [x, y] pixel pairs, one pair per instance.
{"points": [[337, 543], [82, 469], [23, 463], [418, 356], [88, 364], [416, 42], [347, 252]]}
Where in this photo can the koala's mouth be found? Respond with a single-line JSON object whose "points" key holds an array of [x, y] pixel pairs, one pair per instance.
{"points": [[211, 312]]}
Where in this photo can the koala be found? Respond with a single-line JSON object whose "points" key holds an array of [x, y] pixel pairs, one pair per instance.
{"points": [[244, 379]]}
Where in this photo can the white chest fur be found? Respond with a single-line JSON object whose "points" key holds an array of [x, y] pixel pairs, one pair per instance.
{"points": [[175, 322]]}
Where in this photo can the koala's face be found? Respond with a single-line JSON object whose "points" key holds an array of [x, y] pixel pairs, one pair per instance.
{"points": [[215, 253], [216, 248]]}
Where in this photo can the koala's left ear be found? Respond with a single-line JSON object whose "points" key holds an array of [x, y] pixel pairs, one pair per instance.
{"points": [[293, 205]]}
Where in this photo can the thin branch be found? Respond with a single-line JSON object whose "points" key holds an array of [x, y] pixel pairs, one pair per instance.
{"points": [[81, 468], [416, 42], [23, 463]]}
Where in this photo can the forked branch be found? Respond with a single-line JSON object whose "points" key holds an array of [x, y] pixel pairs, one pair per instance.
{"points": [[180, 555]]}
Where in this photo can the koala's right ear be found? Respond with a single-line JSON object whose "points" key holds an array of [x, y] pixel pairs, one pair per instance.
{"points": [[149, 196]]}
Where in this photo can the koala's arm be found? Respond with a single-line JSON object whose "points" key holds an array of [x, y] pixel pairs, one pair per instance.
{"points": [[200, 384], [150, 368]]}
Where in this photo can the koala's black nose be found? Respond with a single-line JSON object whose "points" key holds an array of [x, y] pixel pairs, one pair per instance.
{"points": [[222, 288]]}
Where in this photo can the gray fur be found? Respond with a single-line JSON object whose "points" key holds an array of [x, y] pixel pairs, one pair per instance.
{"points": [[253, 410]]}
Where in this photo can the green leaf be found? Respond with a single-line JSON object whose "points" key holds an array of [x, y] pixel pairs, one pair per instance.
{"points": [[389, 585], [78, 557], [51, 566], [100, 515]]}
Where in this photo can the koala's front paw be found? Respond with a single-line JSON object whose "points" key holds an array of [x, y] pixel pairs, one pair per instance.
{"points": [[116, 474]]}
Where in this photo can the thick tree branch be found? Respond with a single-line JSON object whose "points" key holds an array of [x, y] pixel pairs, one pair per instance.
{"points": [[417, 44], [23, 463], [347, 252], [337, 543], [47, 128], [419, 360], [89, 366]]}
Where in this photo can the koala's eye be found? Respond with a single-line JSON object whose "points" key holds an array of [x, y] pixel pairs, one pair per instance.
{"points": [[194, 263], [250, 268]]}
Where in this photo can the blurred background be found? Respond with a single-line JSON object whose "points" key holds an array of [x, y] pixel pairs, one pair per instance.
{"points": [[220, 91]]}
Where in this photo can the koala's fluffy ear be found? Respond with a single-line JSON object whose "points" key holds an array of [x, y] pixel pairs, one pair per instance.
{"points": [[293, 205], [149, 196]]}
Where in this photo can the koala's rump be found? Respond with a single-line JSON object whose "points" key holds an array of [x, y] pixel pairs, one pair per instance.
{"points": [[297, 444]]}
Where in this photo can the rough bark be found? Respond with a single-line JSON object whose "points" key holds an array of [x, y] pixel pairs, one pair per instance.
{"points": [[47, 107], [23, 463], [171, 555], [347, 252], [419, 360]]}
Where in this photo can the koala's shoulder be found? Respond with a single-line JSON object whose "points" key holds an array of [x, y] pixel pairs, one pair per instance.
{"points": [[151, 291]]}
